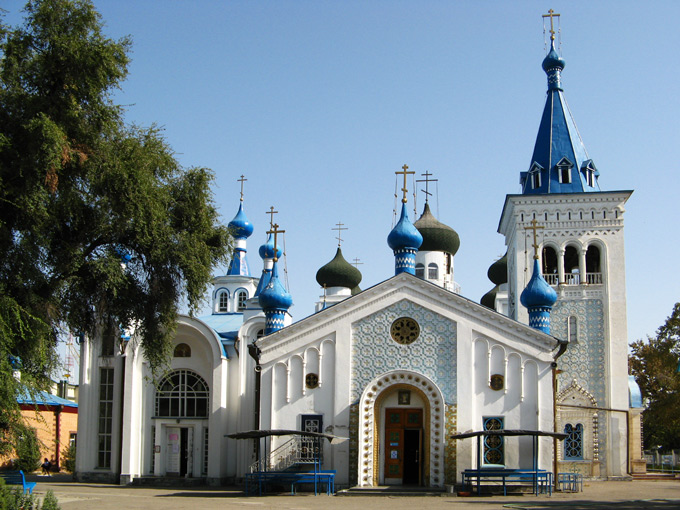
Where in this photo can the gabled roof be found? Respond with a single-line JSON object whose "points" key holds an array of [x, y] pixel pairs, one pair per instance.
{"points": [[417, 290]]}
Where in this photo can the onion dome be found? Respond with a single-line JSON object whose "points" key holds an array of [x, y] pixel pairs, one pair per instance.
{"points": [[240, 226], [553, 63], [338, 273], [355, 290], [498, 271], [404, 234], [275, 301], [267, 249], [489, 299], [436, 235], [537, 292], [538, 297]]}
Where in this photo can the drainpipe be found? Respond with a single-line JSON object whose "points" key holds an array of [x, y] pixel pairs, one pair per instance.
{"points": [[255, 352], [57, 418], [562, 349]]}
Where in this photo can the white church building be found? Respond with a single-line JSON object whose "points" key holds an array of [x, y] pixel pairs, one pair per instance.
{"points": [[400, 367]]}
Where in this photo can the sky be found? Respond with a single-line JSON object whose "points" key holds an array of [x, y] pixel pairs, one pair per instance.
{"points": [[318, 103]]}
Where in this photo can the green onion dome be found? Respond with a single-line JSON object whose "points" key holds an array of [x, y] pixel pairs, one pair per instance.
{"points": [[338, 273], [436, 235], [489, 299], [498, 271]]}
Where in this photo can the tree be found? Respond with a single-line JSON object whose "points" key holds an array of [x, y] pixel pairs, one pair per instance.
{"points": [[27, 449], [654, 363], [100, 227]]}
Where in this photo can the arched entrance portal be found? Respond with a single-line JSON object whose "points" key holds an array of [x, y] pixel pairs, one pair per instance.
{"points": [[401, 433]]}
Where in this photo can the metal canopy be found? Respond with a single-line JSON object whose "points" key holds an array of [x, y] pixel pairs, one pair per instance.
{"points": [[258, 434], [508, 432]]}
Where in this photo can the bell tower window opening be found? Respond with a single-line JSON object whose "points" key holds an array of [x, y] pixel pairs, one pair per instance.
{"points": [[420, 271], [550, 265], [564, 171], [593, 265], [432, 271], [571, 270]]}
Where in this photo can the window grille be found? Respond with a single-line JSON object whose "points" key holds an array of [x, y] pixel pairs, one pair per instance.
{"points": [[572, 329], [420, 271], [494, 447], [573, 444], [182, 394], [432, 271]]}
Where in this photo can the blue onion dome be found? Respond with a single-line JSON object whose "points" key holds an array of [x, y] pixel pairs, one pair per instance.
{"points": [[240, 226], [267, 249], [537, 292], [275, 296], [404, 234], [498, 271], [436, 235], [489, 299], [552, 60], [338, 273]]}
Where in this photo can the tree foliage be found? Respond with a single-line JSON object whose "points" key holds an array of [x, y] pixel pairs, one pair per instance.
{"points": [[654, 363], [100, 226]]}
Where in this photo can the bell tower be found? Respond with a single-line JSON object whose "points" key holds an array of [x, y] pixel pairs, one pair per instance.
{"points": [[581, 256]]}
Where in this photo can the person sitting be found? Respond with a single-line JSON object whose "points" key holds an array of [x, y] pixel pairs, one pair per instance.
{"points": [[46, 466]]}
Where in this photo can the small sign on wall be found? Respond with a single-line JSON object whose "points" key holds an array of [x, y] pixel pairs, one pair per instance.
{"points": [[157, 448]]}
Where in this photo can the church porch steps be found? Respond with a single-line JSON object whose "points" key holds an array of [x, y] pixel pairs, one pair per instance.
{"points": [[392, 490]]}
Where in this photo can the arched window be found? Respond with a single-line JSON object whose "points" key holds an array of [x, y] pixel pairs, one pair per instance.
{"points": [[432, 271], [573, 443], [182, 351], [182, 394], [572, 329], [241, 297], [223, 301], [550, 265], [593, 269], [571, 276], [420, 270]]}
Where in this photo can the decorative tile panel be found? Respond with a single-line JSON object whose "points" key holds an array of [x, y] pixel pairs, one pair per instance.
{"points": [[433, 354], [353, 444], [584, 361]]}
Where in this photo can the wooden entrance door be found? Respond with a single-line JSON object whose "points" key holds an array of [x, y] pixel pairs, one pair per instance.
{"points": [[403, 446]]}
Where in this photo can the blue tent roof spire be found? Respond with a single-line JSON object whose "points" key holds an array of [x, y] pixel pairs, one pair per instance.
{"points": [[560, 162]]}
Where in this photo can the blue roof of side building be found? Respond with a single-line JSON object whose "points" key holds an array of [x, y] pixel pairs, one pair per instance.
{"points": [[226, 325], [42, 398]]}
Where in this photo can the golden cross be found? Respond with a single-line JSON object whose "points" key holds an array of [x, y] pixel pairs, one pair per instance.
{"points": [[405, 173], [242, 180], [535, 227], [427, 181], [275, 230], [339, 228], [271, 213], [551, 14]]}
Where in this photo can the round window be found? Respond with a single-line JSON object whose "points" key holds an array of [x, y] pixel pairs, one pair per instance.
{"points": [[405, 330]]}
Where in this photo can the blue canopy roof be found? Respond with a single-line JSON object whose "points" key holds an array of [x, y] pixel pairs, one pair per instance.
{"points": [[42, 398]]}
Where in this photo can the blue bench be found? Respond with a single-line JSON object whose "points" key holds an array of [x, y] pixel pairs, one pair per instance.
{"points": [[570, 482], [540, 479], [259, 480], [17, 478]]}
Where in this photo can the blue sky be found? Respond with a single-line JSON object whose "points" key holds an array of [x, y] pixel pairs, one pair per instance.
{"points": [[318, 103]]}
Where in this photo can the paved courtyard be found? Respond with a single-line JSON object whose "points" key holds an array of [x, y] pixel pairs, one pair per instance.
{"points": [[596, 495]]}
